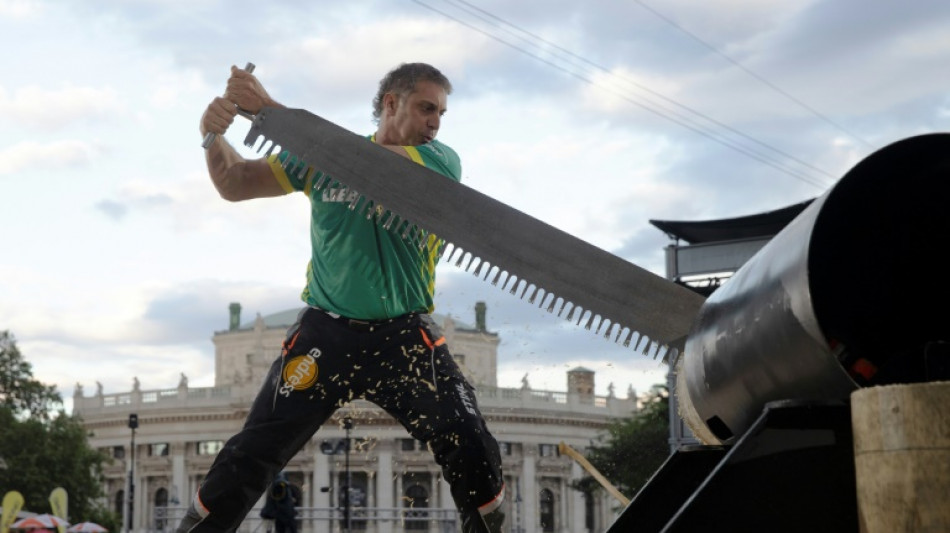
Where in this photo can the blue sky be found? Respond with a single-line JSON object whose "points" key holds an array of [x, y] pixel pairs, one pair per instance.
{"points": [[119, 259]]}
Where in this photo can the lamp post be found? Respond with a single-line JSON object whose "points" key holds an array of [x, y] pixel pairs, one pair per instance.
{"points": [[133, 423], [347, 425], [335, 448]]}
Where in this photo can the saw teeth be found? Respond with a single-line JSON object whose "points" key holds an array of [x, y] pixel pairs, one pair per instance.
{"points": [[534, 294], [497, 277], [590, 322]]}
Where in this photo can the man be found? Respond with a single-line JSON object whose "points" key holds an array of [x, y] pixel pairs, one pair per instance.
{"points": [[366, 331], [281, 506]]}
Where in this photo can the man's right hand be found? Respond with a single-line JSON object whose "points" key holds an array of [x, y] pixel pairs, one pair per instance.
{"points": [[217, 117]]}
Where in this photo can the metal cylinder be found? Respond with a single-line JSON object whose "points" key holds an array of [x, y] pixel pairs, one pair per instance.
{"points": [[849, 280]]}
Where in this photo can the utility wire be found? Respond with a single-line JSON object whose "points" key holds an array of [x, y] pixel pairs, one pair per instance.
{"points": [[572, 55], [758, 77], [678, 118]]}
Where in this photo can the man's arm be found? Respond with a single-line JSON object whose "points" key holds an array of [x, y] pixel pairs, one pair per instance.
{"points": [[235, 177]]}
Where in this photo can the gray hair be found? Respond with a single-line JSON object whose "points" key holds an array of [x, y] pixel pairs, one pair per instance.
{"points": [[402, 81]]}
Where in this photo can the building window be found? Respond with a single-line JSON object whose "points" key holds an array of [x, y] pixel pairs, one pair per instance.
{"points": [[210, 447], [547, 450], [416, 501], [161, 507], [546, 509], [158, 450], [118, 503], [589, 511], [408, 445], [505, 448], [118, 452]]}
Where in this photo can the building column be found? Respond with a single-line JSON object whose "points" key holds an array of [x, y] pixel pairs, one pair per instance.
{"points": [[445, 494], [445, 497], [141, 503], [529, 489], [384, 491], [320, 479], [577, 500], [180, 491]]}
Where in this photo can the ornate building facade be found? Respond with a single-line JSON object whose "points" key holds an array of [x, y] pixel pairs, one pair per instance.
{"points": [[394, 484]]}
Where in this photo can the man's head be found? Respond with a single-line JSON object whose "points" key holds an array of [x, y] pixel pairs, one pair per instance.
{"points": [[410, 103]]}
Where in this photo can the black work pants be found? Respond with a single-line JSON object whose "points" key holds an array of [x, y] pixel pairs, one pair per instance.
{"points": [[403, 365]]}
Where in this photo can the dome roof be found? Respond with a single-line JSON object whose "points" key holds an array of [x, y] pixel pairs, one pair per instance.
{"points": [[281, 319]]}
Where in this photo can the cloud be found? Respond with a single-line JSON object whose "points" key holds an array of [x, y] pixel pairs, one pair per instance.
{"points": [[52, 155], [115, 366], [132, 200], [20, 9], [112, 209], [50, 110], [190, 312]]}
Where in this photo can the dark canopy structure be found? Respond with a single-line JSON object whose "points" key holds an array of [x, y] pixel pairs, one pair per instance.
{"points": [[765, 224]]}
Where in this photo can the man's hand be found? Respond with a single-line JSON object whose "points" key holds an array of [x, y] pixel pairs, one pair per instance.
{"points": [[217, 117], [246, 92]]}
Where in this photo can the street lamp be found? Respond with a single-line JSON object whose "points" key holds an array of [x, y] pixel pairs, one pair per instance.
{"points": [[347, 425], [335, 448], [133, 423]]}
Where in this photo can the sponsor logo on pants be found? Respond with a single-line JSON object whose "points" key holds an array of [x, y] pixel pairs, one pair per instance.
{"points": [[466, 399], [300, 372]]}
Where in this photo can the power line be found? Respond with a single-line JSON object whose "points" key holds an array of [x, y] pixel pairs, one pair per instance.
{"points": [[757, 76], [652, 92], [577, 61]]}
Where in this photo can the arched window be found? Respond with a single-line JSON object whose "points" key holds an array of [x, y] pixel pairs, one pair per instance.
{"points": [[417, 501], [160, 502], [546, 508]]}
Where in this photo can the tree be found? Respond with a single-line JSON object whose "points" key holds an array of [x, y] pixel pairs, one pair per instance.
{"points": [[45, 450], [18, 390], [633, 449]]}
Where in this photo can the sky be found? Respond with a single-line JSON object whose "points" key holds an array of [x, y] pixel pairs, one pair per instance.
{"points": [[119, 259]]}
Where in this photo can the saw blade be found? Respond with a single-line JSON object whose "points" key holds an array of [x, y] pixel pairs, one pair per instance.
{"points": [[531, 259]]}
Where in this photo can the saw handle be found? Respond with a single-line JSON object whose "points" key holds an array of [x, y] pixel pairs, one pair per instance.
{"points": [[209, 137]]}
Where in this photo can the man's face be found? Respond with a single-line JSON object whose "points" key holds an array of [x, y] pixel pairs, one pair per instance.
{"points": [[414, 119]]}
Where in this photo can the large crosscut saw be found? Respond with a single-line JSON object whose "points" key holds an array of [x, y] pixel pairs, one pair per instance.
{"points": [[533, 260]]}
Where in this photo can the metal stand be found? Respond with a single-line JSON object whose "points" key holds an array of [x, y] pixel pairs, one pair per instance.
{"points": [[792, 471]]}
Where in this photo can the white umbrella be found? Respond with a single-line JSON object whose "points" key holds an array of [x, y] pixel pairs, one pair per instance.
{"points": [[40, 521], [86, 527]]}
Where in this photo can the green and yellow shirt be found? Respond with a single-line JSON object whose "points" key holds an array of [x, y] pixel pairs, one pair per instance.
{"points": [[357, 268]]}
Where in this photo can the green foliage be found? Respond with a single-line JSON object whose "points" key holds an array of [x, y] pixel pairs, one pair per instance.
{"points": [[633, 449], [102, 516], [45, 450], [19, 392]]}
